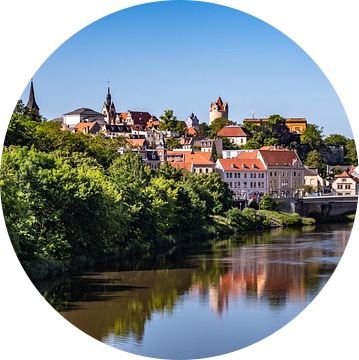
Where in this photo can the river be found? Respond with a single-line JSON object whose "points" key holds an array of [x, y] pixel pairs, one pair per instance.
{"points": [[203, 300]]}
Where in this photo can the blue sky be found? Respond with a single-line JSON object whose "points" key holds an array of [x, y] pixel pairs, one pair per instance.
{"points": [[178, 55]]}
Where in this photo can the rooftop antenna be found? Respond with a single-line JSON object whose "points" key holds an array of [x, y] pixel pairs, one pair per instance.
{"points": [[252, 114]]}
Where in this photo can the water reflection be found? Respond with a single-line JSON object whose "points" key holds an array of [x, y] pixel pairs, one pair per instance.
{"points": [[264, 272]]}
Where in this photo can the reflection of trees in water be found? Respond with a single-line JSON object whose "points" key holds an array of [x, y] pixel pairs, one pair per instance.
{"points": [[263, 267]]}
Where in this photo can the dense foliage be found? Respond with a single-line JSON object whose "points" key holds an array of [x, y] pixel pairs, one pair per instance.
{"points": [[69, 195]]}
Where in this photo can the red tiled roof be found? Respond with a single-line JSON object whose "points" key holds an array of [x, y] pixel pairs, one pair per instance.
{"points": [[197, 158], [220, 103], [191, 131], [241, 164], [136, 142], [181, 165], [139, 117], [247, 155], [279, 157], [81, 126], [233, 131], [344, 174]]}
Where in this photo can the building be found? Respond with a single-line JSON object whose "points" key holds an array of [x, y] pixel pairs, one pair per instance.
{"points": [[82, 115], [112, 131], [285, 171], [192, 122], [207, 144], [88, 128], [345, 184], [197, 161], [218, 109], [297, 125], [138, 118], [31, 104], [312, 178], [236, 134], [247, 178], [108, 109]]}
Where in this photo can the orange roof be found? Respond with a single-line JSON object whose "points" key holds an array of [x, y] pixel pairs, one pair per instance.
{"points": [[279, 157], [220, 103], [136, 142], [191, 131], [197, 158], [351, 169], [234, 130], [181, 165], [206, 154], [81, 126], [247, 155], [241, 164], [123, 116], [344, 174]]}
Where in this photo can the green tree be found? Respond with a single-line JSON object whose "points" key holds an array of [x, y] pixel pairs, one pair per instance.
{"points": [[266, 202], [173, 143], [337, 170], [214, 152], [316, 159], [335, 140], [169, 121], [312, 136], [351, 156], [203, 129]]}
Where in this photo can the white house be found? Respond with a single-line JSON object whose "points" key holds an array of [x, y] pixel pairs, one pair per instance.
{"points": [[82, 115], [344, 184], [247, 178]]}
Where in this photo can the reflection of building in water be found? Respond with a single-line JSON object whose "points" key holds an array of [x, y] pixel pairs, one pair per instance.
{"points": [[273, 275]]}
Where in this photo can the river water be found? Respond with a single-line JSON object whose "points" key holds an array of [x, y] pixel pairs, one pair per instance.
{"points": [[207, 299]]}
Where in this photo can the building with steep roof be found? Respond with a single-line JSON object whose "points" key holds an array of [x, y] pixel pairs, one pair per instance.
{"points": [[31, 104], [345, 184], [192, 122], [218, 109], [109, 110]]}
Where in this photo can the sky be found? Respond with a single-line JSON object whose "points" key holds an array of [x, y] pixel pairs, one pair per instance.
{"points": [[178, 56]]}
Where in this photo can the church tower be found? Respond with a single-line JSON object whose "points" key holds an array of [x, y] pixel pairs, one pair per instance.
{"points": [[218, 109], [31, 104], [162, 148], [108, 108]]}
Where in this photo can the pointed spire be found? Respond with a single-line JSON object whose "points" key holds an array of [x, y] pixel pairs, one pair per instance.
{"points": [[108, 97], [31, 104]]}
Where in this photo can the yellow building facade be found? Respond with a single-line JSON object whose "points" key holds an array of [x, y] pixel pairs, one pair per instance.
{"points": [[294, 124]]}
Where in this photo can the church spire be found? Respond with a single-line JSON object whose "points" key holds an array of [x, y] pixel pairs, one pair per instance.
{"points": [[31, 104], [108, 97]]}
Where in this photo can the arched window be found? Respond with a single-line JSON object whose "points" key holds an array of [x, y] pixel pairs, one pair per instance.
{"points": [[284, 183], [273, 184]]}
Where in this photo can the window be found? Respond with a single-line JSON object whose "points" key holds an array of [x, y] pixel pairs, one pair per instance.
{"points": [[254, 175], [206, 171], [239, 175], [230, 184], [245, 175], [251, 185], [262, 185], [298, 173], [239, 184], [230, 175], [294, 183], [282, 173], [295, 173], [241, 140], [245, 184], [254, 184], [251, 175], [273, 184], [235, 185], [285, 183], [270, 173], [275, 173], [227, 175], [200, 171], [235, 175], [340, 186], [286, 173], [347, 186]]}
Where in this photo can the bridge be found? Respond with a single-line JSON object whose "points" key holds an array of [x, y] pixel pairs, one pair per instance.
{"points": [[327, 205]]}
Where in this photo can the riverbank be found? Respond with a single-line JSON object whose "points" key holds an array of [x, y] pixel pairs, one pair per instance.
{"points": [[234, 222]]}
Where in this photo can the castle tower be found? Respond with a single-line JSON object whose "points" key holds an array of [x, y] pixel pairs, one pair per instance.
{"points": [[218, 109], [31, 104]]}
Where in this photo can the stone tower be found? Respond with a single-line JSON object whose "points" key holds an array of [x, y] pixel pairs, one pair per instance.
{"points": [[218, 109], [162, 148]]}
